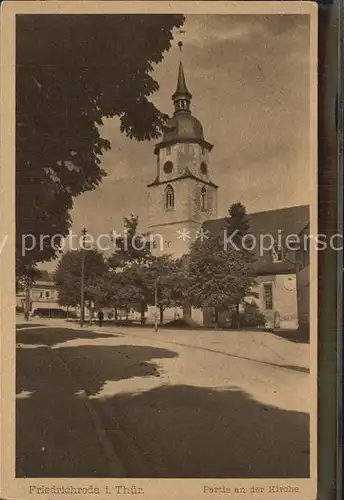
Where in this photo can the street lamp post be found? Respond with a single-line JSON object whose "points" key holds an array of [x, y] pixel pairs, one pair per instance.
{"points": [[156, 304], [82, 286], [27, 302]]}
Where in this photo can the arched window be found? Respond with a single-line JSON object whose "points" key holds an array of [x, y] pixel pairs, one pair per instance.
{"points": [[203, 199], [204, 168], [168, 167], [169, 197]]}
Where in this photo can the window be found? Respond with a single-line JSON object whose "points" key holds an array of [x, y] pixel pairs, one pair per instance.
{"points": [[168, 167], [204, 168], [267, 296], [168, 150], [203, 199], [169, 198], [47, 295], [277, 254], [203, 151]]}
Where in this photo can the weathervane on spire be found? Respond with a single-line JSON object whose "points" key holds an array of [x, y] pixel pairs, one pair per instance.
{"points": [[180, 43], [182, 96]]}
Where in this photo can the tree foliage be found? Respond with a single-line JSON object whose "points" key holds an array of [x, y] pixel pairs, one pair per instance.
{"points": [[218, 277], [27, 280], [140, 282], [67, 277], [71, 72], [237, 222], [213, 275], [221, 276], [134, 272], [129, 247], [167, 272]]}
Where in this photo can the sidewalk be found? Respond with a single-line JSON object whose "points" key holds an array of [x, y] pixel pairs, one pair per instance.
{"points": [[260, 346]]}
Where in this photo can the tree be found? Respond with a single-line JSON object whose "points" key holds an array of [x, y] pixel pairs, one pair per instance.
{"points": [[183, 285], [115, 293], [71, 72], [170, 292], [67, 278], [133, 285], [219, 277], [24, 283], [136, 290], [237, 222], [131, 253], [129, 247], [238, 225]]}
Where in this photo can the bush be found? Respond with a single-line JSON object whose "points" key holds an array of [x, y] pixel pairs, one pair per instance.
{"points": [[251, 317], [110, 315], [181, 323]]}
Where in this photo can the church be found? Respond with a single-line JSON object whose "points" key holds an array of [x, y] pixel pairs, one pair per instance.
{"points": [[183, 203]]}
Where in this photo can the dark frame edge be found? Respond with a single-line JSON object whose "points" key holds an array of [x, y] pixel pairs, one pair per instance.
{"points": [[329, 261]]}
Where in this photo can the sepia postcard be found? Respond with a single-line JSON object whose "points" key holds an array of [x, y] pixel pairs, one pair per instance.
{"points": [[159, 241]]}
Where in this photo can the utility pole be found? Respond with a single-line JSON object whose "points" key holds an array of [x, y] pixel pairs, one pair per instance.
{"points": [[28, 282], [156, 303], [27, 301], [82, 287]]}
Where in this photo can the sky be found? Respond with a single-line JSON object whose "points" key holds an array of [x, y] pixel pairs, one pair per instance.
{"points": [[249, 77]]}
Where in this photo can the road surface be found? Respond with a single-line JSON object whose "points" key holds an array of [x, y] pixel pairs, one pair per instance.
{"points": [[126, 402]]}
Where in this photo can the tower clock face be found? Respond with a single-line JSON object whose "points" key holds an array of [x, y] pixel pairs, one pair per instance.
{"points": [[168, 167], [290, 283], [204, 168]]}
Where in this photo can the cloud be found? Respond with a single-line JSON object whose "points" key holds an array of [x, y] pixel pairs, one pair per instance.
{"points": [[242, 29], [249, 76], [207, 30]]}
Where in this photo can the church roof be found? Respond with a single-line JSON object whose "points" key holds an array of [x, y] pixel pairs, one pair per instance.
{"points": [[283, 221], [181, 84], [186, 175], [43, 277], [182, 126], [289, 220]]}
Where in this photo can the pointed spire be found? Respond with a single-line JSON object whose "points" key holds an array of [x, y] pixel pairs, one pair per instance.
{"points": [[182, 96], [181, 84]]}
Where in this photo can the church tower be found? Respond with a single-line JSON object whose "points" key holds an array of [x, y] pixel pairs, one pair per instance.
{"points": [[182, 195]]}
